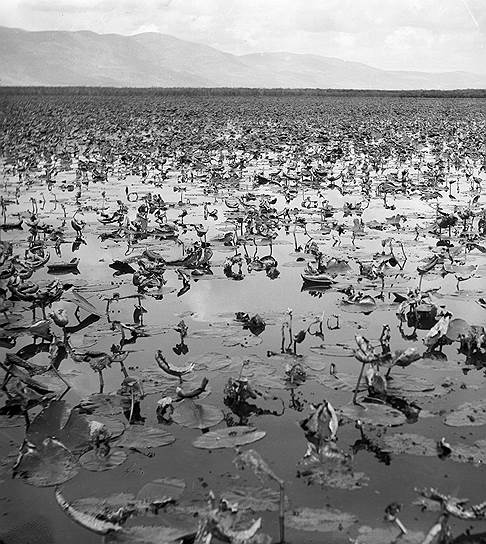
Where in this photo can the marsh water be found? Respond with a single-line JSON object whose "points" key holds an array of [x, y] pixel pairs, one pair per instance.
{"points": [[221, 348]]}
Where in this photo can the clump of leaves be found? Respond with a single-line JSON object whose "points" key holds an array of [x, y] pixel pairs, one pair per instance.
{"points": [[225, 523]]}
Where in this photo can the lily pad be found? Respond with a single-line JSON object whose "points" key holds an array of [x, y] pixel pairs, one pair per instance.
{"points": [[102, 404], [330, 467], [413, 444], [379, 415], [196, 416], [214, 361], [139, 436], [162, 487], [89, 520], [367, 306], [475, 454], [59, 421], [323, 520], [389, 535], [149, 535], [7, 422], [113, 425], [228, 438], [253, 498], [113, 511], [99, 463], [47, 464], [339, 381], [105, 508], [409, 384], [469, 414], [243, 340]]}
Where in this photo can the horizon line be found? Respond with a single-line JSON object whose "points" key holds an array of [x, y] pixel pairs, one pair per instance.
{"points": [[254, 90]]}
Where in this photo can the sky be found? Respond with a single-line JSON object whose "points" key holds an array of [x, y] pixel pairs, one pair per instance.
{"points": [[427, 35]]}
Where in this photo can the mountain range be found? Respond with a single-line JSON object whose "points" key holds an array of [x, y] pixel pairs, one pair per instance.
{"points": [[85, 58]]}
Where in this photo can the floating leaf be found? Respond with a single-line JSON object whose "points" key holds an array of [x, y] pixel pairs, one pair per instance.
{"points": [[117, 509], [114, 426], [162, 487], [105, 508], [330, 467], [59, 421], [413, 444], [11, 421], [139, 436], [323, 520], [95, 462], [149, 535], [388, 535], [195, 415], [339, 381], [364, 306], [228, 438], [243, 340], [373, 414], [253, 498], [469, 414], [214, 361], [475, 454], [46, 464], [409, 384], [88, 520], [103, 405]]}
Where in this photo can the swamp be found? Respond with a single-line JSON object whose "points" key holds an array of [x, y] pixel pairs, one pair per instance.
{"points": [[244, 319]]}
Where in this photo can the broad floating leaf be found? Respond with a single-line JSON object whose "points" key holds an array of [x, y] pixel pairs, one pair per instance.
{"points": [[256, 499], [139, 436], [144, 534], [389, 535], [330, 467], [59, 421], [380, 415], [94, 462], [88, 520], [228, 438], [413, 444], [195, 415], [47, 464], [162, 487], [323, 520], [469, 414], [215, 361], [242, 340]]}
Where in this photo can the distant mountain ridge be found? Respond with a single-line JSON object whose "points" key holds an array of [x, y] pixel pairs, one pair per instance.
{"points": [[84, 58]]}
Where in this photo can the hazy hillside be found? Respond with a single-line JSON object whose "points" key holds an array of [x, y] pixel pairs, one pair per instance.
{"points": [[150, 59]]}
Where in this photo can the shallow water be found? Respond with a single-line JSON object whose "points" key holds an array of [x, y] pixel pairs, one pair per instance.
{"points": [[30, 514]]}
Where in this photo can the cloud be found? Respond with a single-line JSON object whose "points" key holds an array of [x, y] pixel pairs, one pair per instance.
{"points": [[392, 34]]}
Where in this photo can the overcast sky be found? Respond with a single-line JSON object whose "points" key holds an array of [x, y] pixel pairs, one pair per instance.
{"points": [[428, 35]]}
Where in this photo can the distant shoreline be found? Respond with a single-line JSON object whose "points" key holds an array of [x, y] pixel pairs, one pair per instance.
{"points": [[238, 91]]}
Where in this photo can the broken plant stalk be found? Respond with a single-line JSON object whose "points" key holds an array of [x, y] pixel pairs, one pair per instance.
{"points": [[356, 389]]}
